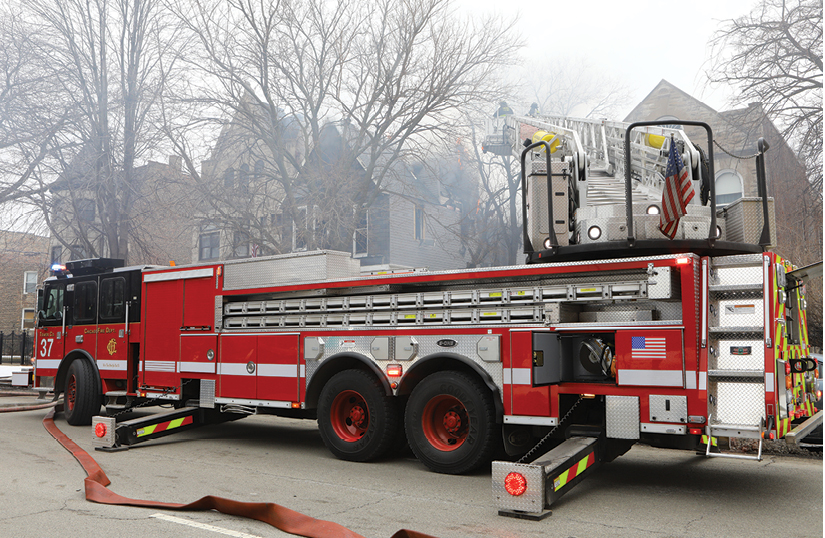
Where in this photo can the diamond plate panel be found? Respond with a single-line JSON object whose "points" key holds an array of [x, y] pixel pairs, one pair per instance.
{"points": [[218, 312], [537, 203], [466, 346], [736, 270], [663, 284], [743, 220], [737, 312], [668, 408], [736, 354], [207, 393], [736, 403], [289, 268], [532, 500], [622, 416], [618, 316]]}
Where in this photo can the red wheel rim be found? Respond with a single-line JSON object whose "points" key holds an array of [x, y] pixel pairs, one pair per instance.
{"points": [[349, 416], [71, 392], [445, 422]]}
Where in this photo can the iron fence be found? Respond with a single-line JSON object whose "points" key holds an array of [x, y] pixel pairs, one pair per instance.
{"points": [[16, 347]]}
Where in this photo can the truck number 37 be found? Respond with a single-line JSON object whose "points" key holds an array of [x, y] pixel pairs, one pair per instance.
{"points": [[46, 347]]}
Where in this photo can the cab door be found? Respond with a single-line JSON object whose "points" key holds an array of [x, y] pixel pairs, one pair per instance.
{"points": [[112, 348], [49, 345]]}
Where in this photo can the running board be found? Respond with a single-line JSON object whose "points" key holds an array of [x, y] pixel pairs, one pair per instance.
{"points": [[526, 490]]}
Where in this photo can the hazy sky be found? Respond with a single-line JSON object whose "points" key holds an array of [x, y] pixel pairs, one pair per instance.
{"points": [[640, 41]]}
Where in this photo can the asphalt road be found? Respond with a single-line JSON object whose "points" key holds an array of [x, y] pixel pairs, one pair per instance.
{"points": [[646, 493]]}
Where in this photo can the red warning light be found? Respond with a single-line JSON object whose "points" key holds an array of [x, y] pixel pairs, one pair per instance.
{"points": [[394, 370], [682, 261], [100, 429], [515, 484]]}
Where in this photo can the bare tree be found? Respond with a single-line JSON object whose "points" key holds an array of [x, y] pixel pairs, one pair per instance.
{"points": [[332, 99], [773, 55], [107, 63], [31, 116]]}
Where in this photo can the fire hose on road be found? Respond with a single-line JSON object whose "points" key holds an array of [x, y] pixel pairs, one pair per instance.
{"points": [[278, 516]]}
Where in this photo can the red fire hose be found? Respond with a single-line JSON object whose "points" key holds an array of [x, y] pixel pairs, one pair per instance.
{"points": [[278, 516]]}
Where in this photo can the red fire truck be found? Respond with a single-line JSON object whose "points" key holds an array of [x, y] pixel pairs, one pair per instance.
{"points": [[601, 340]]}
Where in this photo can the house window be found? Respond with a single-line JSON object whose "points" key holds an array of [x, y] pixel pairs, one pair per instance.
{"points": [[57, 254], [85, 209], [300, 229], [209, 244], [728, 187], [79, 252], [243, 178], [229, 178], [240, 245], [674, 119], [28, 319], [29, 281], [360, 245], [419, 223]]}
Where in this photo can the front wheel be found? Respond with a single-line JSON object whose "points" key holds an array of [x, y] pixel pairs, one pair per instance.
{"points": [[356, 418], [81, 396], [450, 423]]}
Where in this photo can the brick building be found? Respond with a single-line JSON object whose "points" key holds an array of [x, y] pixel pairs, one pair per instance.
{"points": [[25, 263], [160, 214]]}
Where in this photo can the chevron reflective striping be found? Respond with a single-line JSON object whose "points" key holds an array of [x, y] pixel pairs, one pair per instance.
{"points": [[705, 440], [783, 427], [574, 471], [163, 426]]}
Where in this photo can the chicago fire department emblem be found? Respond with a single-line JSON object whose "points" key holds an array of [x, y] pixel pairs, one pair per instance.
{"points": [[112, 347]]}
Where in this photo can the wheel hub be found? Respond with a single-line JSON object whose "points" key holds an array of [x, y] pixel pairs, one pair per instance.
{"points": [[357, 416], [349, 416], [452, 422], [444, 422]]}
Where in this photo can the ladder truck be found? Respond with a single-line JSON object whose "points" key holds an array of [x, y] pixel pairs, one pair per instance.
{"points": [[600, 340]]}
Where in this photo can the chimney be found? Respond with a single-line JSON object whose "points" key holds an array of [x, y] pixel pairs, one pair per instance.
{"points": [[207, 167], [176, 162]]}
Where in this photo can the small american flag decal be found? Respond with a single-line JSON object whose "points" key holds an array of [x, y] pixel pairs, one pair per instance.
{"points": [[646, 347]]}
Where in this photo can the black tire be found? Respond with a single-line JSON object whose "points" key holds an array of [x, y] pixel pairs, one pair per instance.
{"points": [[356, 418], [451, 423], [81, 396]]}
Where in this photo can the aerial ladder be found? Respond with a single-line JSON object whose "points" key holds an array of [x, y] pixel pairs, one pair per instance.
{"points": [[605, 194]]}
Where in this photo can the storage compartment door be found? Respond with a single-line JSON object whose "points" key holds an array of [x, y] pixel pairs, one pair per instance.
{"points": [[163, 307], [278, 367]]}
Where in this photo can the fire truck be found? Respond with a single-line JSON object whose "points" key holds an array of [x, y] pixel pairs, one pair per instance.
{"points": [[610, 334]]}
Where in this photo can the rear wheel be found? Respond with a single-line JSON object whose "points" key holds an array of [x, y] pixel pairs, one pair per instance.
{"points": [[450, 423], [81, 397], [356, 418]]}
